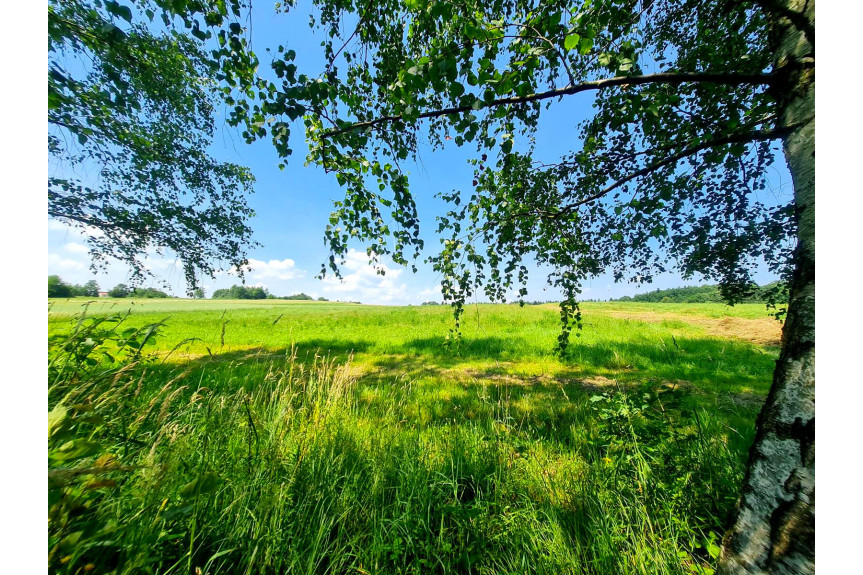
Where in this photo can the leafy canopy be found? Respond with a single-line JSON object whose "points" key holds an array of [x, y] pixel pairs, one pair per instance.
{"points": [[131, 96], [672, 163]]}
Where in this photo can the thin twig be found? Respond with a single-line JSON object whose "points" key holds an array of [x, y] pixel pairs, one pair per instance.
{"points": [[674, 158], [673, 78]]}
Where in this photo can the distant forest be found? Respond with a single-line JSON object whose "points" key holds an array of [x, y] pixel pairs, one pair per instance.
{"points": [[776, 292], [243, 292]]}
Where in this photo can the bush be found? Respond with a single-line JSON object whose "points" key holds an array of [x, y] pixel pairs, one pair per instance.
{"points": [[240, 292], [148, 293], [119, 290], [58, 288], [299, 296]]}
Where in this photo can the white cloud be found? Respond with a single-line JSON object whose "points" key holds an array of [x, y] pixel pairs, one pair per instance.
{"points": [[75, 248], [433, 293], [365, 283], [56, 262], [79, 232], [285, 269], [158, 264], [69, 257], [56, 226]]}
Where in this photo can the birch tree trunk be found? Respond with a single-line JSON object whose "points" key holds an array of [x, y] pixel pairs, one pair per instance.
{"points": [[774, 527]]}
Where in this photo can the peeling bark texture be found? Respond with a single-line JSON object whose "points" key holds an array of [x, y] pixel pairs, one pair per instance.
{"points": [[774, 525]]}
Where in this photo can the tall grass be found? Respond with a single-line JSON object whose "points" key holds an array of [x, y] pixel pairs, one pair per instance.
{"points": [[291, 464]]}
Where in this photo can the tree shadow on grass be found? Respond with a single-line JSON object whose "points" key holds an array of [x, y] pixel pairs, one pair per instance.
{"points": [[337, 349], [728, 379], [474, 381], [732, 366], [547, 411], [721, 371], [541, 406]]}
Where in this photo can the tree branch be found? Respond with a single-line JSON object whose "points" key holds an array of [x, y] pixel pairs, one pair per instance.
{"points": [[560, 55], [743, 138], [797, 19], [672, 78], [351, 37]]}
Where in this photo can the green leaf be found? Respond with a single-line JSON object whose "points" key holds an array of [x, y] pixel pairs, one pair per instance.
{"points": [[116, 9], [713, 549], [69, 542], [54, 99], [56, 418], [125, 13], [206, 483], [75, 449], [175, 512], [470, 30], [571, 41]]}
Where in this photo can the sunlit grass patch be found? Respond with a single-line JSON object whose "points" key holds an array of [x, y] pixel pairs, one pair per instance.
{"points": [[352, 439]]}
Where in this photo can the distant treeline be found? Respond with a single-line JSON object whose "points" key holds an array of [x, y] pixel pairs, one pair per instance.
{"points": [[58, 288], [709, 294], [513, 302], [140, 293], [243, 292]]}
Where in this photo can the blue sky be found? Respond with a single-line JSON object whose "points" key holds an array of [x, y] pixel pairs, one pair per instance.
{"points": [[292, 206]]}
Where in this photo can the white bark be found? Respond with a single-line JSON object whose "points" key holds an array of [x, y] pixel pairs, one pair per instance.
{"points": [[774, 530]]}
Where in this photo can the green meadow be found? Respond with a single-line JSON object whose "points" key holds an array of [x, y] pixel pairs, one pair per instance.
{"points": [[277, 436]]}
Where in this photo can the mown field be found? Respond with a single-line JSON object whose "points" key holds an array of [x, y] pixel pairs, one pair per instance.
{"points": [[275, 436]]}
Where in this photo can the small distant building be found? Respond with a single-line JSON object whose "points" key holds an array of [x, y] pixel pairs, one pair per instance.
{"points": [[103, 294]]}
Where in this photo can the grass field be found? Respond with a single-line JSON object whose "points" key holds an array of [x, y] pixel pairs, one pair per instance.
{"points": [[308, 437]]}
